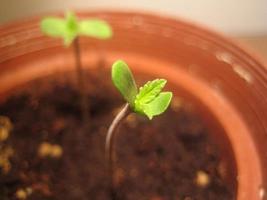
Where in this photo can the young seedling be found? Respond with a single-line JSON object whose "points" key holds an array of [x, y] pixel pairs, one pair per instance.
{"points": [[70, 29], [149, 101]]}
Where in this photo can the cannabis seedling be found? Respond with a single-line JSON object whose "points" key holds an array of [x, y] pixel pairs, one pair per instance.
{"points": [[149, 101], [70, 29]]}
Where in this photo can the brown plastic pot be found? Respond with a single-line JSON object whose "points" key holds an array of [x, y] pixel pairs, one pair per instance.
{"points": [[225, 83]]}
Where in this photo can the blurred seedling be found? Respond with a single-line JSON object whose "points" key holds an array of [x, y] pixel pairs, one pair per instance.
{"points": [[70, 29], [23, 193], [148, 101]]}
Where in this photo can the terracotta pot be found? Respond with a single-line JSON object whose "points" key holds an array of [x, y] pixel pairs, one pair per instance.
{"points": [[225, 83]]}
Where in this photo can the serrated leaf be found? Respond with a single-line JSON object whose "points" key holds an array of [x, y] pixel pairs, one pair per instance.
{"points": [[95, 28], [123, 80], [158, 105], [53, 26], [149, 91]]}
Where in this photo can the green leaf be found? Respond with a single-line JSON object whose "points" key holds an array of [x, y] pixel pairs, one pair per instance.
{"points": [[69, 37], [123, 80], [149, 91], [95, 28], [53, 26], [158, 105], [72, 22], [66, 28]]}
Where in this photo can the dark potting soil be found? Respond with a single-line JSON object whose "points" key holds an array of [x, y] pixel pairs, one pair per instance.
{"points": [[50, 154]]}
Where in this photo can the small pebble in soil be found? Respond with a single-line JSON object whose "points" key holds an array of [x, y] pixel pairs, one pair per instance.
{"points": [[5, 128], [50, 150], [56, 151], [5, 155], [23, 193], [202, 179], [4, 133]]}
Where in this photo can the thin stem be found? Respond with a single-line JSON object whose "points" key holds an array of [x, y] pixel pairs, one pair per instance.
{"points": [[80, 79], [109, 147]]}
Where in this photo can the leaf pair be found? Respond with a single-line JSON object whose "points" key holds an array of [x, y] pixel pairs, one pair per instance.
{"points": [[149, 100], [69, 28]]}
